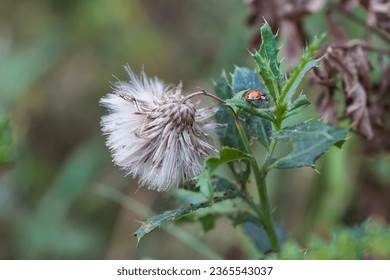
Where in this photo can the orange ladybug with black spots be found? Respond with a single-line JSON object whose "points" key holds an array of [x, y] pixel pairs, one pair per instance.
{"points": [[255, 96]]}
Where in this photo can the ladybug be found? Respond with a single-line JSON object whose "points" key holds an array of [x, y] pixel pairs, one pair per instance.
{"points": [[255, 96]]}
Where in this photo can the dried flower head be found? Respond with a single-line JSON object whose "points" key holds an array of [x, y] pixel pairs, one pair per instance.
{"points": [[154, 132]]}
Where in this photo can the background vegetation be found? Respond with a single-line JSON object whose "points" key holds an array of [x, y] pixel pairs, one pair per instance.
{"points": [[60, 195]]}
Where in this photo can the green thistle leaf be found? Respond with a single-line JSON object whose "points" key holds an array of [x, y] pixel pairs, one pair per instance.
{"points": [[305, 64], [229, 135], [309, 141], [245, 79], [222, 87], [266, 60], [226, 155], [298, 104], [171, 216], [6, 141], [245, 106]]}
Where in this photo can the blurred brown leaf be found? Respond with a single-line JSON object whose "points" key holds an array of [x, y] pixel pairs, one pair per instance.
{"points": [[345, 61], [379, 14], [349, 5], [285, 16], [365, 102], [350, 61], [378, 11], [337, 33], [379, 104]]}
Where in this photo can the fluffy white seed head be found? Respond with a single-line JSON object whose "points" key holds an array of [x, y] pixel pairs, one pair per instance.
{"points": [[154, 133]]}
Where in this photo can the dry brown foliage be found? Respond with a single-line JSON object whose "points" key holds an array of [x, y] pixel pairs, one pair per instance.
{"points": [[350, 62], [365, 99], [285, 16]]}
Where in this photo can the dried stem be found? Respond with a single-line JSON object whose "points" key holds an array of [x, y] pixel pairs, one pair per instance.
{"points": [[362, 22], [203, 92], [364, 45]]}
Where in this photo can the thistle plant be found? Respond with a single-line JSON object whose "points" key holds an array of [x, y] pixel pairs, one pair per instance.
{"points": [[155, 133]]}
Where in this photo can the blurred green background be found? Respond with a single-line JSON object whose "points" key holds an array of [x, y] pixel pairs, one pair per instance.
{"points": [[60, 196]]}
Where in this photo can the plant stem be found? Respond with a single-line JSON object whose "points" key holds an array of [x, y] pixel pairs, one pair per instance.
{"points": [[248, 199], [266, 209], [264, 214], [203, 92], [266, 217], [243, 137], [268, 156]]}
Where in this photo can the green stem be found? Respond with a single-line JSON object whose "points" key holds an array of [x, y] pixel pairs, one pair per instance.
{"points": [[266, 217], [279, 112], [269, 154], [264, 213], [266, 209], [248, 199], [243, 137]]}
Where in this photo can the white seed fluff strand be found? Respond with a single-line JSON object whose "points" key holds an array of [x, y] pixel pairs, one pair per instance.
{"points": [[155, 134]]}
